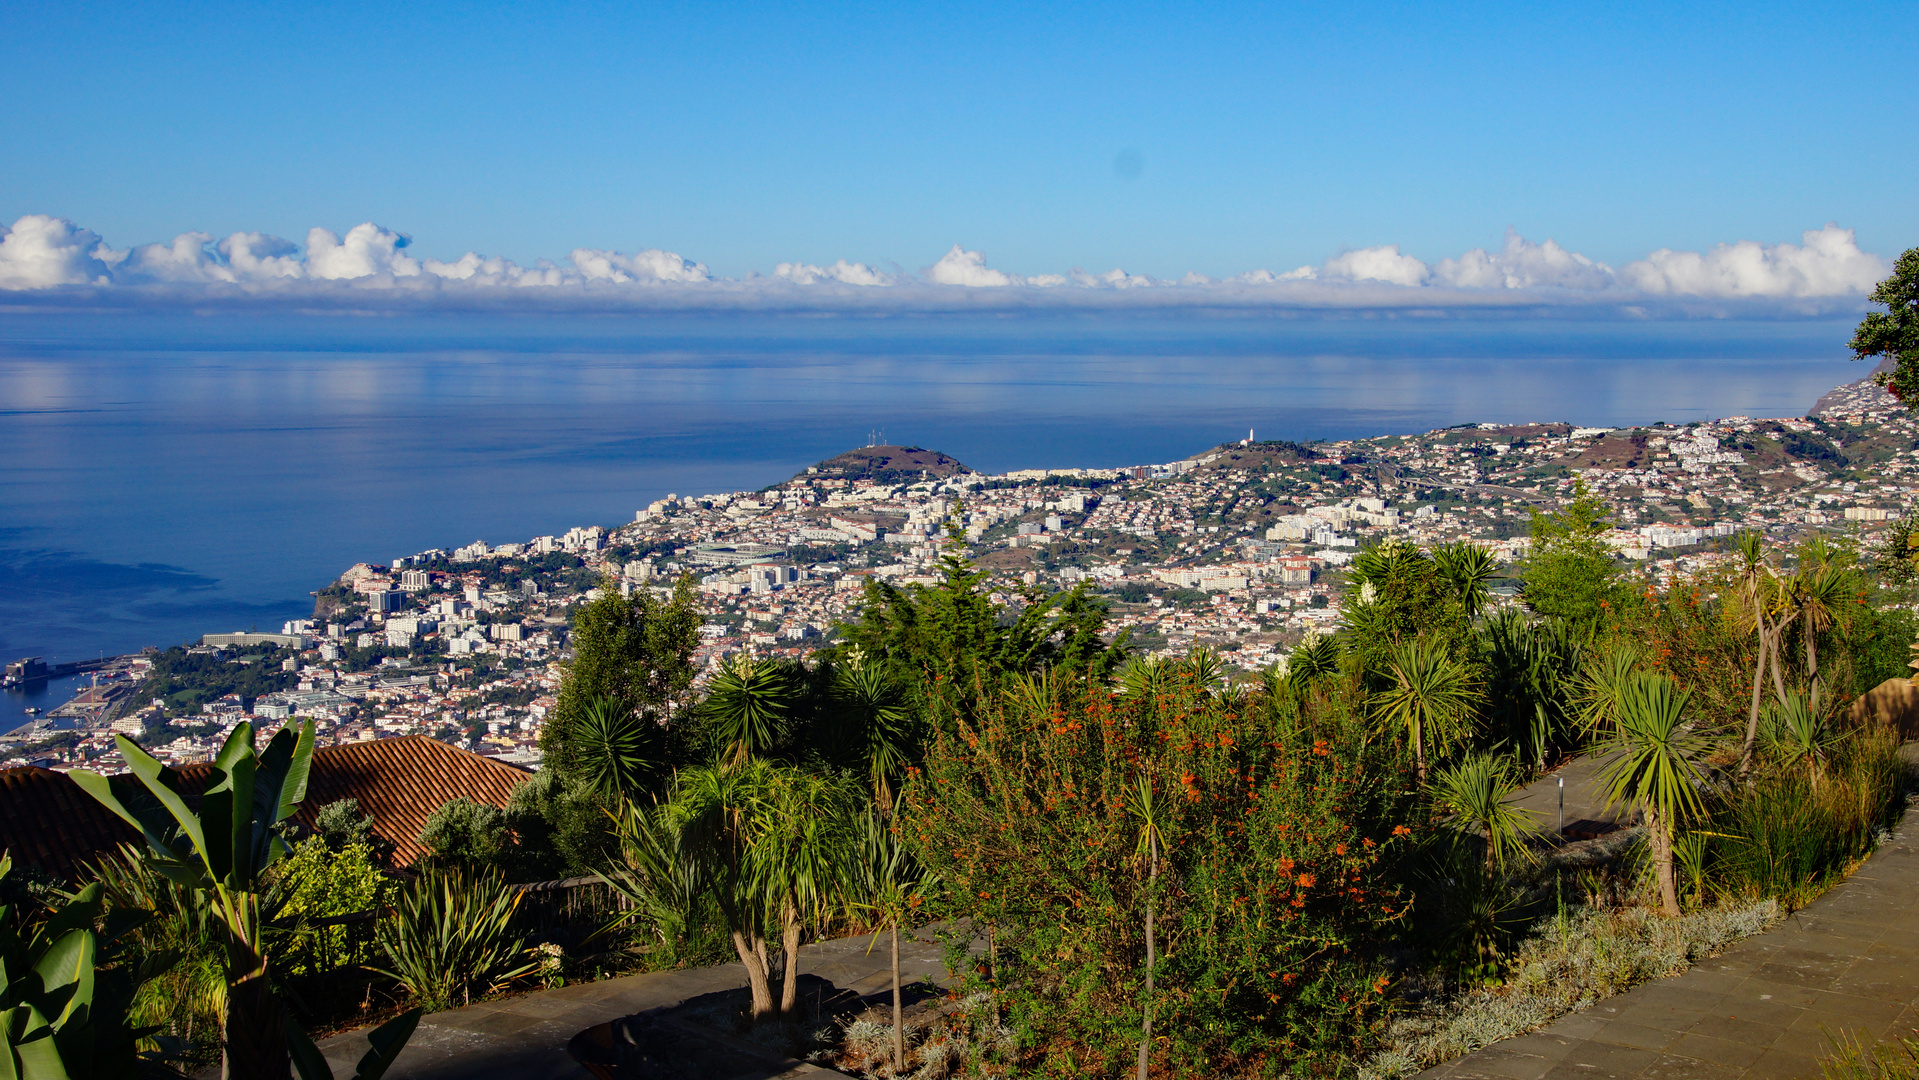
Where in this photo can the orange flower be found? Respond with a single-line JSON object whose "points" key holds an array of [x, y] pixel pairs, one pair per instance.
{"points": [[1305, 881]]}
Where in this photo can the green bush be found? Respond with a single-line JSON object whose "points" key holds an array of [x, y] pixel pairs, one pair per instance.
{"points": [[1274, 885], [466, 836], [1791, 833], [185, 995], [452, 934], [316, 883]]}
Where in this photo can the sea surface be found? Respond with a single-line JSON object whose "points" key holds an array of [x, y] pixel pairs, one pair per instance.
{"points": [[166, 476]]}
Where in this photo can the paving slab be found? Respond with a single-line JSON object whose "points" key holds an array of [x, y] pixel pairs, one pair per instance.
{"points": [[1765, 1009], [525, 1037]]}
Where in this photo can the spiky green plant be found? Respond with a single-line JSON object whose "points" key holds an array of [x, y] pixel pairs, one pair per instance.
{"points": [[224, 850], [1475, 796], [1466, 567], [1795, 733], [617, 749], [890, 884], [1652, 762], [451, 934], [1431, 698], [748, 705], [875, 726]]}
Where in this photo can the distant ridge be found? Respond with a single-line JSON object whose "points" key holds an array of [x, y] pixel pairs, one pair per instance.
{"points": [[886, 464]]}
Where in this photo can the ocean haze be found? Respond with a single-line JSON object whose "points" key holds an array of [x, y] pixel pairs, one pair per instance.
{"points": [[174, 475]]}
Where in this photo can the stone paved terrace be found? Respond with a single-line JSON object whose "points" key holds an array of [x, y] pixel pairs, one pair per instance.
{"points": [[525, 1037], [1763, 1009]]}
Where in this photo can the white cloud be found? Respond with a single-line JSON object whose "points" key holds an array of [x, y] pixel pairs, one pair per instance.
{"points": [[649, 265], [1826, 272], [479, 270], [256, 256], [1111, 279], [1828, 264], [846, 273], [1522, 264], [186, 259], [39, 252], [968, 268], [1376, 264], [366, 251]]}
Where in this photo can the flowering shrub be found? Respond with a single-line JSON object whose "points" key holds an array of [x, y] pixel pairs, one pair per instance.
{"points": [[1275, 878]]}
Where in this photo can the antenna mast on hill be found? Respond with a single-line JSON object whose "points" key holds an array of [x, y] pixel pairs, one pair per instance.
{"points": [[875, 437]]}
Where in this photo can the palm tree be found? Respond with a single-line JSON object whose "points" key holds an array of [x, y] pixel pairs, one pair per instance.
{"points": [[802, 844], [616, 748], [1143, 804], [749, 705], [1796, 732], [889, 882], [1146, 677], [1753, 575], [1475, 794], [1432, 697], [715, 811], [876, 724], [1601, 687], [1466, 568], [1822, 591], [1653, 762], [1314, 659]]}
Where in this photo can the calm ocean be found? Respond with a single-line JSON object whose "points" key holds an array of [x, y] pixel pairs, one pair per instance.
{"points": [[166, 476]]}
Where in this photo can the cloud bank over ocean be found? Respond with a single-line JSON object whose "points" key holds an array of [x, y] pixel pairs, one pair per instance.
{"points": [[49, 262]]}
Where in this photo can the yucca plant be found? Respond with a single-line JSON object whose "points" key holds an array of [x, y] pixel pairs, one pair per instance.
{"points": [[749, 705], [1474, 795], [619, 750], [889, 883], [1601, 685], [1796, 734], [1313, 660], [1431, 698], [452, 934], [660, 882], [874, 724], [1652, 762]]}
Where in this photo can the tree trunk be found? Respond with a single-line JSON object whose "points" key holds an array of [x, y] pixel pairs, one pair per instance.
{"points": [[1812, 661], [1152, 959], [1758, 687], [899, 1012], [1661, 833], [1778, 650], [1419, 750], [752, 950], [790, 942], [255, 1025]]}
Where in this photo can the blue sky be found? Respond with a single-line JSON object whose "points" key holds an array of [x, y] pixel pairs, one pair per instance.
{"points": [[745, 135]]}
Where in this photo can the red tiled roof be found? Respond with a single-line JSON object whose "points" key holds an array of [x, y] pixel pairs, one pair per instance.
{"points": [[47, 821], [399, 782]]}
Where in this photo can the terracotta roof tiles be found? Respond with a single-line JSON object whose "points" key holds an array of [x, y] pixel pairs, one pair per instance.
{"points": [[47, 821]]}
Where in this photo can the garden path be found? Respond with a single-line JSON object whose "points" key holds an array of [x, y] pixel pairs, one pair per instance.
{"points": [[525, 1037], [1848, 963], [1585, 812]]}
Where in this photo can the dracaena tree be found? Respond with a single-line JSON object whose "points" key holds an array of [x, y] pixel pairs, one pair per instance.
{"points": [[223, 851], [1652, 762]]}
